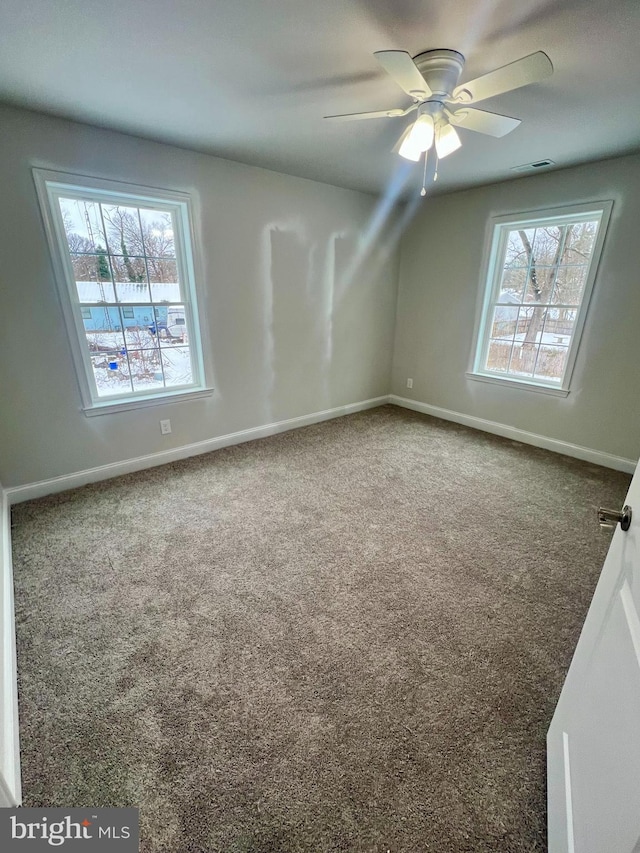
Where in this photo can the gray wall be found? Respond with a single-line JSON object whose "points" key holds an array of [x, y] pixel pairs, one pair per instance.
{"points": [[441, 256], [298, 298]]}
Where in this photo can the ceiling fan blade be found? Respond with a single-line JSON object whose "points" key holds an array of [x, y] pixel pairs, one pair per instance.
{"points": [[522, 72], [481, 121], [375, 114], [399, 65]]}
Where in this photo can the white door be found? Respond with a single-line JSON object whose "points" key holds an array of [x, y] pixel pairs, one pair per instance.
{"points": [[593, 744]]}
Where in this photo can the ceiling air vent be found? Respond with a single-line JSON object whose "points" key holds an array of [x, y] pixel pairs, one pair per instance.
{"points": [[532, 167]]}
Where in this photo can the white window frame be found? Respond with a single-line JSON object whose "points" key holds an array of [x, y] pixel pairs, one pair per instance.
{"points": [[51, 186], [495, 248]]}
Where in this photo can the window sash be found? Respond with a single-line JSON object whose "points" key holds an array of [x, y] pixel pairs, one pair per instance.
{"points": [[494, 266], [51, 186]]}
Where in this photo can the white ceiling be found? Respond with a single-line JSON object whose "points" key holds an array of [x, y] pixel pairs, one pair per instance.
{"points": [[251, 80]]}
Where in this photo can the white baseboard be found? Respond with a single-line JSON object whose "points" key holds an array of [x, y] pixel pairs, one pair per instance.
{"points": [[127, 466], [598, 457], [10, 787]]}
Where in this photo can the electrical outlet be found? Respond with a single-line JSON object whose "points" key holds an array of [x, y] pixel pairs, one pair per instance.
{"points": [[409, 383], [165, 427]]}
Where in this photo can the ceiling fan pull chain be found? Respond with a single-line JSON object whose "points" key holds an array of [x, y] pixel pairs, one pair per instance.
{"points": [[435, 174], [423, 191]]}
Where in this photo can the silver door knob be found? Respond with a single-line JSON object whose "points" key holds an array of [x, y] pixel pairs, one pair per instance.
{"points": [[611, 517]]}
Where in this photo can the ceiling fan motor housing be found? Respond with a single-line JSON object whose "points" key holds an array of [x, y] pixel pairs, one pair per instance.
{"points": [[441, 69]]}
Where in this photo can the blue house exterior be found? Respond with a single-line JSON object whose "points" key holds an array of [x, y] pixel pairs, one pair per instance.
{"points": [[134, 310], [97, 318]]}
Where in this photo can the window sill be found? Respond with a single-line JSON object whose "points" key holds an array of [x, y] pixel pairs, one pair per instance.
{"points": [[506, 381], [143, 402]]}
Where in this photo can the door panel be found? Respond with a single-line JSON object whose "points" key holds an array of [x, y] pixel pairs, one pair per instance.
{"points": [[593, 745]]}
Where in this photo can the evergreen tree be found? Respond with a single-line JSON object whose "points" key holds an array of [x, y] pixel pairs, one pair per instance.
{"points": [[104, 273], [135, 278]]}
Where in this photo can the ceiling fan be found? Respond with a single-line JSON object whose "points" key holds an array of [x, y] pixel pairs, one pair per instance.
{"points": [[431, 79]]}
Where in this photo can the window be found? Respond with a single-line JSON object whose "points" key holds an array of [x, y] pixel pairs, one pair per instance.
{"points": [[540, 273], [125, 271]]}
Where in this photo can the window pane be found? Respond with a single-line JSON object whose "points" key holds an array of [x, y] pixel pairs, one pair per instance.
{"points": [[580, 240], [163, 275], [553, 331], [513, 284], [166, 293], [140, 331], [540, 283], [523, 359], [157, 233], [146, 369], [123, 230], [90, 267], [128, 292], [558, 326], [551, 362], [569, 284], [171, 325], [524, 316], [82, 225], [129, 269], [111, 375], [136, 318], [103, 330], [549, 244], [93, 278], [530, 322], [131, 278], [177, 365], [91, 293], [498, 356], [162, 270], [516, 252], [505, 322]]}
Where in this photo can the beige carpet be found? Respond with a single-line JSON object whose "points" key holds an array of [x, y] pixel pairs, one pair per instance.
{"points": [[346, 638]]}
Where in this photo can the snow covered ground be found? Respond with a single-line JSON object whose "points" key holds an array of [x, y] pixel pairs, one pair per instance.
{"points": [[138, 360]]}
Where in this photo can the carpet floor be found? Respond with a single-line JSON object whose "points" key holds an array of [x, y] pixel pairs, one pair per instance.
{"points": [[350, 637]]}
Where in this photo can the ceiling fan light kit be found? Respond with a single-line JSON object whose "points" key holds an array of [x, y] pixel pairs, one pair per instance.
{"points": [[419, 138], [431, 80], [447, 140]]}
